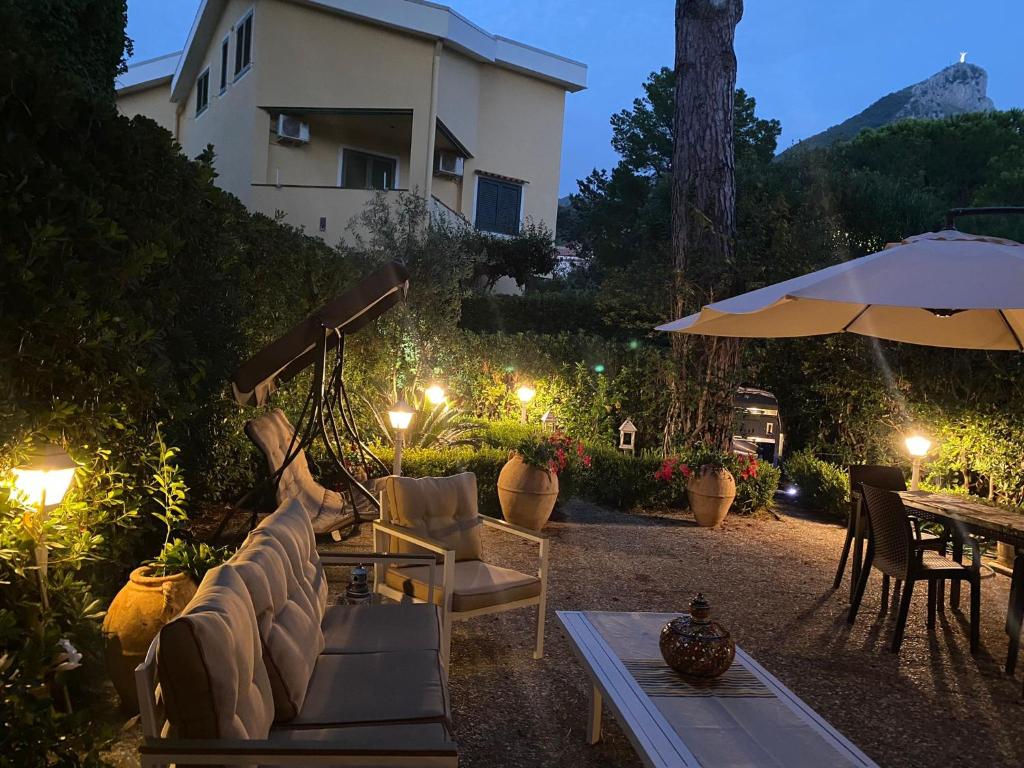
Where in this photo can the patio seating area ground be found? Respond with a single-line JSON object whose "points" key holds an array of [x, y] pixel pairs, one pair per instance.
{"points": [[770, 583]]}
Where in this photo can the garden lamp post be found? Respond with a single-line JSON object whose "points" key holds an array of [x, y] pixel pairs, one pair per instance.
{"points": [[436, 394], [917, 447], [526, 394], [400, 416], [43, 479]]}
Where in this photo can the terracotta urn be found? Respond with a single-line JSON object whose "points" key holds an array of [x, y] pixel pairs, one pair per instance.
{"points": [[711, 493], [696, 647], [137, 613], [527, 493]]}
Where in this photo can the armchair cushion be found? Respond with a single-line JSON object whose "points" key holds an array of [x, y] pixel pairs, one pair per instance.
{"points": [[477, 585], [210, 664], [289, 627], [290, 525], [347, 689], [440, 508], [382, 628]]}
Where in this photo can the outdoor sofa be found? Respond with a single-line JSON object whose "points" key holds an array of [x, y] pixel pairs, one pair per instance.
{"points": [[259, 670]]}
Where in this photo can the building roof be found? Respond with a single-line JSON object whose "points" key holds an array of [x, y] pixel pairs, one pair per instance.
{"points": [[750, 397], [145, 74], [417, 17]]}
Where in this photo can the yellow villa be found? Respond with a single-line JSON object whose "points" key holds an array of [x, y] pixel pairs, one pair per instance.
{"points": [[314, 106]]}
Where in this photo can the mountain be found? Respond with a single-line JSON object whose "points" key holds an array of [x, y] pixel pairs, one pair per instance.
{"points": [[956, 90]]}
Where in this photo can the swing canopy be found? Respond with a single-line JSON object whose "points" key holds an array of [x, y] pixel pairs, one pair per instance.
{"points": [[278, 362]]}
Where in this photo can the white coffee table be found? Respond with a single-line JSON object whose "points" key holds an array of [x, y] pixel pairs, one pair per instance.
{"points": [[756, 722]]}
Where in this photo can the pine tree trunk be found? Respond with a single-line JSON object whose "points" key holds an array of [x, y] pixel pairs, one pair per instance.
{"points": [[703, 215]]}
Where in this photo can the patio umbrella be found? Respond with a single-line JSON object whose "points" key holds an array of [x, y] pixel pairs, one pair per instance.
{"points": [[940, 289]]}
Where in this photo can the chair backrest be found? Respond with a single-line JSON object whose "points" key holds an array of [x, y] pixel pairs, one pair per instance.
{"points": [[876, 475], [210, 664], [891, 535], [273, 435], [441, 508]]}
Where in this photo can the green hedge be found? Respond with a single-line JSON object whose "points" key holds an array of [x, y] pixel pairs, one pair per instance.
{"points": [[615, 479], [823, 486]]}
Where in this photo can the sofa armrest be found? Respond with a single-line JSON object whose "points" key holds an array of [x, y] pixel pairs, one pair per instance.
{"points": [[515, 530], [411, 752]]}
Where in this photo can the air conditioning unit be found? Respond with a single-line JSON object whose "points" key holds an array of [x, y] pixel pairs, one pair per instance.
{"points": [[291, 130], [448, 163]]}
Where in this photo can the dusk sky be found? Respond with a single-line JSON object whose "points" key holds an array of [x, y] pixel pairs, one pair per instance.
{"points": [[808, 63]]}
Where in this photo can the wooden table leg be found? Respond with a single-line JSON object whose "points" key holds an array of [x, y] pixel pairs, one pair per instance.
{"points": [[594, 716], [1015, 612], [858, 550]]}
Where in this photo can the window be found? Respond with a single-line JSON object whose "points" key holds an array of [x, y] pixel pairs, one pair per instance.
{"points": [[769, 428], [224, 65], [497, 206], [360, 170], [243, 45], [203, 91]]}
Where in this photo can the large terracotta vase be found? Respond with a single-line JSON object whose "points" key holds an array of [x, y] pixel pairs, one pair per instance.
{"points": [[711, 493], [137, 613], [527, 493]]}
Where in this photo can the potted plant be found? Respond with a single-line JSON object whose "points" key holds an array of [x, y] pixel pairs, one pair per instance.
{"points": [[158, 590], [708, 474], [528, 483]]}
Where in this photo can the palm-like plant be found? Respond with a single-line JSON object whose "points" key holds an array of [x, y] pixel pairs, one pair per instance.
{"points": [[433, 426]]}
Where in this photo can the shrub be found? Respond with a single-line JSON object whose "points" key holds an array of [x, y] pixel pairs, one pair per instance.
{"points": [[757, 492], [507, 434], [618, 480], [823, 486], [485, 463]]}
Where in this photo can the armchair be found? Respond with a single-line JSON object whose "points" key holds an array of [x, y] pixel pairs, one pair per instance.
{"points": [[440, 515]]}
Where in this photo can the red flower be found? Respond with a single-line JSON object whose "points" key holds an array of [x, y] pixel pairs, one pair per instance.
{"points": [[685, 469], [587, 461]]}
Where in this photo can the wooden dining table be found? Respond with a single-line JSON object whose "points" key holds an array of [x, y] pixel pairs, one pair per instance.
{"points": [[964, 517]]}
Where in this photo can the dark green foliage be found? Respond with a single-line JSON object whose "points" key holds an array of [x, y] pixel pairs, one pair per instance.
{"points": [[82, 42], [546, 312], [757, 493], [485, 463], [823, 486]]}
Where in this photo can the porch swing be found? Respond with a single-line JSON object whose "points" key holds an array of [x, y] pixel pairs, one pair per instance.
{"points": [[327, 414]]}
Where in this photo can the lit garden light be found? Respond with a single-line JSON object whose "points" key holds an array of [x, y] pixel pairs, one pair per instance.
{"points": [[400, 417], [526, 394], [917, 447], [43, 481], [436, 394]]}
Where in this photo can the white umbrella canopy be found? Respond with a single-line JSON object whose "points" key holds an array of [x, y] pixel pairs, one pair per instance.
{"points": [[940, 289]]}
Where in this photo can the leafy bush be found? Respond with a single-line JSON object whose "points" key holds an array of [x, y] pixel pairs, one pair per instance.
{"points": [[823, 486], [618, 480], [507, 434], [757, 492], [485, 463]]}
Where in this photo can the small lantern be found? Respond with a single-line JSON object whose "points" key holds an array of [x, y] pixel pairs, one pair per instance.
{"points": [[548, 421], [400, 417], [627, 436], [358, 590]]}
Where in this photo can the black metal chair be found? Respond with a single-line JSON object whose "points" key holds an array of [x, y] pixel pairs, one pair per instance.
{"points": [[890, 479], [893, 550]]}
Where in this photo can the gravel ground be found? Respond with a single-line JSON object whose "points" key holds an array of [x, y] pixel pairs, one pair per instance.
{"points": [[770, 583]]}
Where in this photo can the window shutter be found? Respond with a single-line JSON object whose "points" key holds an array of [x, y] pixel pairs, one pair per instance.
{"points": [[487, 205], [509, 197]]}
